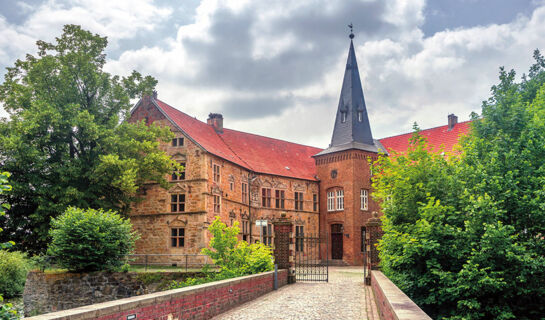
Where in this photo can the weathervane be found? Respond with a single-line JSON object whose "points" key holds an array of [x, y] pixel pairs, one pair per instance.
{"points": [[351, 31]]}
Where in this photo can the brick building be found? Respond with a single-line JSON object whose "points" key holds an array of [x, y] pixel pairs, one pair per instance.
{"points": [[244, 177]]}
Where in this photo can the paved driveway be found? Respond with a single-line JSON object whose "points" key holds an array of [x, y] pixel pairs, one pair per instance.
{"points": [[343, 297]]}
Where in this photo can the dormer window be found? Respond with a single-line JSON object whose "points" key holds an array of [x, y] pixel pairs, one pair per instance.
{"points": [[360, 116], [343, 116]]}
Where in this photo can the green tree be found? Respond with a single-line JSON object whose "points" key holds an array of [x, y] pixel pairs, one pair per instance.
{"points": [[66, 142], [464, 234], [91, 240]]}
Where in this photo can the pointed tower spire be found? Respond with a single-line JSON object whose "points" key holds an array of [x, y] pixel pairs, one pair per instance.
{"points": [[352, 129]]}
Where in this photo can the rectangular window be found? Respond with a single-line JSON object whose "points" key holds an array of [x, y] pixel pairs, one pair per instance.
{"points": [[217, 204], [179, 175], [178, 142], [340, 199], [177, 202], [364, 199], [231, 185], [299, 238], [360, 116], [280, 196], [245, 230], [266, 197], [362, 239], [330, 201], [177, 236], [216, 173], [244, 192], [267, 234], [298, 201], [314, 202]]}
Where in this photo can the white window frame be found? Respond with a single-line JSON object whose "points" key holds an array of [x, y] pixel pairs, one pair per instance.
{"points": [[340, 199], [331, 201], [364, 199]]}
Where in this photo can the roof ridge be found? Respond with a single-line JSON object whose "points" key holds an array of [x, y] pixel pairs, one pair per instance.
{"points": [[402, 134], [250, 133], [262, 136]]}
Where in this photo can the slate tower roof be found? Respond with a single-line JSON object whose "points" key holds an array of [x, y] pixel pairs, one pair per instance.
{"points": [[352, 129]]}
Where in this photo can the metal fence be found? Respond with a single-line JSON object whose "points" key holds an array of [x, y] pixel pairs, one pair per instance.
{"points": [[176, 262], [187, 262]]}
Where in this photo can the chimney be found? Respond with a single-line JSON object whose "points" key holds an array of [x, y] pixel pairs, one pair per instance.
{"points": [[452, 121], [155, 94], [216, 121]]}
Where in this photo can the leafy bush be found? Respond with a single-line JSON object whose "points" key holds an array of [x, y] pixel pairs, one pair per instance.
{"points": [[14, 267], [7, 311], [91, 240], [234, 258]]}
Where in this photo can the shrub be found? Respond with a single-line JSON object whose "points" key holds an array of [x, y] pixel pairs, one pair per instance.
{"points": [[91, 240], [14, 267], [7, 311], [236, 257]]}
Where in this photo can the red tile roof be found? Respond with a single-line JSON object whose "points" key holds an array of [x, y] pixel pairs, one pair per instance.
{"points": [[438, 137], [254, 152], [277, 157]]}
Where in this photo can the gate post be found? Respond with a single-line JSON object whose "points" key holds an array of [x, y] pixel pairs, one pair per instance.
{"points": [[283, 245], [373, 235]]}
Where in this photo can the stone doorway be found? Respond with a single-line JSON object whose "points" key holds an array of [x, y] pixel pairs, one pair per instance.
{"points": [[337, 241]]}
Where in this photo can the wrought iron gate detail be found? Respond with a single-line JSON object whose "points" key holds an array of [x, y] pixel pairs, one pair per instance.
{"points": [[311, 257]]}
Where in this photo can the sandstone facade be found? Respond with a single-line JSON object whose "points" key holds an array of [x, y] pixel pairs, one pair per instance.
{"points": [[212, 187]]}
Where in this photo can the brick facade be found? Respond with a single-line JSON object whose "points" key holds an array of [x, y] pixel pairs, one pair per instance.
{"points": [[348, 171]]}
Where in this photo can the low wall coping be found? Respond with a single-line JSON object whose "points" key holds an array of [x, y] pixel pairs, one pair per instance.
{"points": [[126, 304], [402, 307]]}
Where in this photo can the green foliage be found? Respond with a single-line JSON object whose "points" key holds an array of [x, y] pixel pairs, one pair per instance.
{"points": [[236, 257], [233, 258], [4, 187], [7, 311], [464, 234], [66, 142], [14, 267], [91, 240]]}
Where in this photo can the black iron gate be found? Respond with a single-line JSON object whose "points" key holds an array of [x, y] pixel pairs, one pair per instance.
{"points": [[311, 257]]}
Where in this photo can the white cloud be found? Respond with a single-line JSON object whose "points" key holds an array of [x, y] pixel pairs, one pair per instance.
{"points": [[293, 53]]}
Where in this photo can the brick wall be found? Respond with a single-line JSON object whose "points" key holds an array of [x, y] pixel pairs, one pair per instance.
{"points": [[197, 302], [391, 302], [352, 174]]}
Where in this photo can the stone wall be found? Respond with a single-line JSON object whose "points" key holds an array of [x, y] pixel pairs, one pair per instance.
{"points": [[48, 292], [392, 303], [196, 302]]}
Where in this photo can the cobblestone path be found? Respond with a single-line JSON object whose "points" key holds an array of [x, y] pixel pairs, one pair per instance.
{"points": [[343, 297]]}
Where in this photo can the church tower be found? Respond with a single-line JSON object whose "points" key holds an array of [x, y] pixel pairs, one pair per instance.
{"points": [[344, 172]]}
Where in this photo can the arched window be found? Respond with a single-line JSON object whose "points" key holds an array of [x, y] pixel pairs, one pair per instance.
{"points": [[343, 116]]}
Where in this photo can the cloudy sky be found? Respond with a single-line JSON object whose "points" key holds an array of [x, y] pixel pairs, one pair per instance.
{"points": [[275, 67]]}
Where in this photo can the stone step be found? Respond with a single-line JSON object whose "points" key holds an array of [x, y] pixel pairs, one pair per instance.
{"points": [[337, 263]]}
